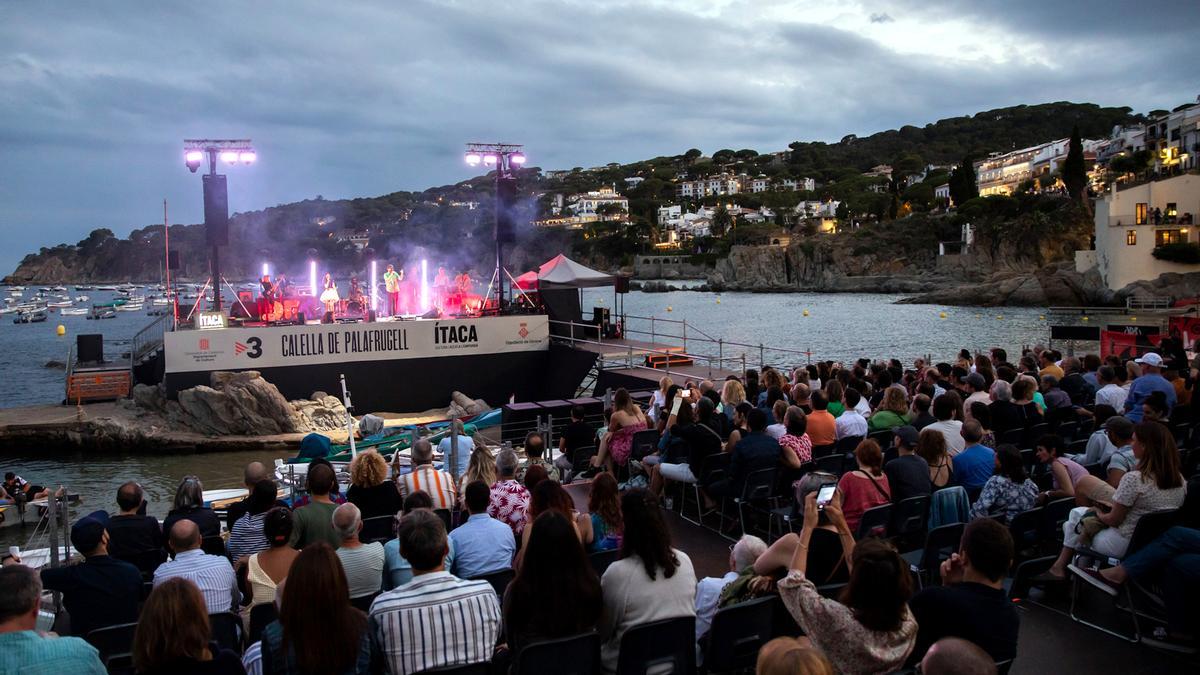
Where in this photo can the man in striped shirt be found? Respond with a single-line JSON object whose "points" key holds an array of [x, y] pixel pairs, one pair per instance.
{"points": [[212, 574], [439, 484], [362, 563], [435, 620]]}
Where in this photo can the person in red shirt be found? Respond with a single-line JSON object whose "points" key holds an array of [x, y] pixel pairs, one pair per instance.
{"points": [[865, 487]]}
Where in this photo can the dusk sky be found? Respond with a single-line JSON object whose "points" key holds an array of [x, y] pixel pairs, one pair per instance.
{"points": [[361, 99]]}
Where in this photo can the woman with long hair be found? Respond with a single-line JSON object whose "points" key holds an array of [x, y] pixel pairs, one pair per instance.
{"points": [[892, 411], [317, 630], [983, 366], [600, 528], [370, 490], [480, 467], [1009, 491], [246, 536], [547, 495], [1024, 396], [869, 628], [555, 592], [260, 574], [865, 487], [931, 447], [1155, 485], [627, 419], [329, 296], [651, 581], [173, 635], [732, 393], [836, 393]]}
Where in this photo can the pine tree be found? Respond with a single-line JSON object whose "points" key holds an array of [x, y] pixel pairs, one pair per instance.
{"points": [[1074, 170], [962, 182]]}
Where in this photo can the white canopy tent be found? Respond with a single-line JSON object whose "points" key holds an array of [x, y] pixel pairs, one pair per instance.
{"points": [[562, 272]]}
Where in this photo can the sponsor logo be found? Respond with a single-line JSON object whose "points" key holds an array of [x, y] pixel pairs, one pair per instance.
{"points": [[456, 334], [524, 332], [203, 344], [252, 348]]}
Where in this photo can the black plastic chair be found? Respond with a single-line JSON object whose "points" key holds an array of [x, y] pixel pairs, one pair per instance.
{"points": [[823, 450], [1033, 433], [653, 647], [581, 461], [846, 446], [875, 521], [737, 633], [644, 443], [1054, 514], [227, 630], [573, 655], [909, 517], [468, 669], [1068, 430], [115, 644], [499, 580], [883, 438], [214, 545], [363, 602], [260, 617], [940, 544], [447, 518], [758, 487], [146, 561], [377, 528], [1026, 529], [830, 464], [1011, 437], [602, 559], [1096, 469]]}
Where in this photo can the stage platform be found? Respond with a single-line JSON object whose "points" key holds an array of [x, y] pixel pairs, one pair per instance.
{"points": [[623, 349]]}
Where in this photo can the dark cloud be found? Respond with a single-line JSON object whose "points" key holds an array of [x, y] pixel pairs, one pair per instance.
{"points": [[353, 99]]}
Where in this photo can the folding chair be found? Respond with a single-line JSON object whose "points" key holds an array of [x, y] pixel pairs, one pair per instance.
{"points": [[602, 559], [644, 443], [377, 528], [499, 580], [940, 544], [1026, 531], [115, 644], [260, 617], [909, 517], [711, 469], [875, 521], [227, 630], [759, 486]]}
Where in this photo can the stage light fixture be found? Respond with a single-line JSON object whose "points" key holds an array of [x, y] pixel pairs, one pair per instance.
{"points": [[229, 156], [193, 158], [473, 158], [489, 159], [312, 277], [266, 270], [374, 284], [517, 158], [424, 285], [247, 157]]}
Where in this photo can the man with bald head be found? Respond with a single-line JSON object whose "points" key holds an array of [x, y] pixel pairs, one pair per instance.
{"points": [[955, 656], [438, 484], [362, 563], [212, 574]]}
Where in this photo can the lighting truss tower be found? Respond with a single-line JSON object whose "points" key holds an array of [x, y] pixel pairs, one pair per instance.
{"points": [[505, 158], [216, 196]]}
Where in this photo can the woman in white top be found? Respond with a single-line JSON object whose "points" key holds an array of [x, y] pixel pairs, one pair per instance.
{"points": [[651, 581], [660, 398], [260, 573]]}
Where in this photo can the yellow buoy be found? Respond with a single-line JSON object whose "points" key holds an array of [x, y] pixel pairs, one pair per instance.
{"points": [[941, 315], [1133, 318], [669, 308], [718, 299], [805, 312], [1041, 317], [1000, 317], [1085, 318], [61, 330]]}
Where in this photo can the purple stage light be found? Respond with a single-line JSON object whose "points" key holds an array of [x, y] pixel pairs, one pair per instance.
{"points": [[228, 156], [473, 158], [517, 158], [489, 159], [248, 157], [193, 156]]}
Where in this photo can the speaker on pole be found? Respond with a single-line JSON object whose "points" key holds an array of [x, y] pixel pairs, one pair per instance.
{"points": [[506, 199], [173, 260], [89, 347], [216, 210]]}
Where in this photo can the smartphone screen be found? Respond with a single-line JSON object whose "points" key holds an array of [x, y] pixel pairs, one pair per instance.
{"points": [[825, 494], [685, 393]]}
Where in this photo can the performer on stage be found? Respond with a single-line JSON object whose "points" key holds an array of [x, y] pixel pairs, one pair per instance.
{"points": [[329, 296], [283, 287], [391, 283], [441, 288], [267, 300], [356, 295]]}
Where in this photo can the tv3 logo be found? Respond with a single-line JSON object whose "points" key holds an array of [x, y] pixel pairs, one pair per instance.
{"points": [[252, 347]]}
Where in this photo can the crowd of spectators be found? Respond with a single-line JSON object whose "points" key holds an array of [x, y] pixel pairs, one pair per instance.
{"points": [[476, 570]]}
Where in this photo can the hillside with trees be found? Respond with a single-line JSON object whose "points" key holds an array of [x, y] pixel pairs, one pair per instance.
{"points": [[452, 225]]}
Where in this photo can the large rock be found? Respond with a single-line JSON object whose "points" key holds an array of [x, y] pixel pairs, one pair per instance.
{"points": [[462, 405], [321, 413], [242, 404]]}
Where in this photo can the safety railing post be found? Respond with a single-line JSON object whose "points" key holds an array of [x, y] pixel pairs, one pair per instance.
{"points": [[762, 361], [685, 336], [743, 374], [652, 329], [720, 354]]}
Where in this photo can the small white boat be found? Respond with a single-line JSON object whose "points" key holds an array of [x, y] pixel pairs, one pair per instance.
{"points": [[131, 307], [73, 311], [160, 302], [83, 298], [16, 289], [58, 289], [85, 288], [106, 288], [59, 303]]}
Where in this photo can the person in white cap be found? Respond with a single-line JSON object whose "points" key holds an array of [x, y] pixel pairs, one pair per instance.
{"points": [[1151, 380]]}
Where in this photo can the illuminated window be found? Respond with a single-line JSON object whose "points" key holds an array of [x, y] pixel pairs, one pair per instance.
{"points": [[1164, 237], [1141, 213], [1131, 237], [1170, 212]]}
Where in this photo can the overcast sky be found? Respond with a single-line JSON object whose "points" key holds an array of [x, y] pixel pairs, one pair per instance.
{"points": [[361, 99]]}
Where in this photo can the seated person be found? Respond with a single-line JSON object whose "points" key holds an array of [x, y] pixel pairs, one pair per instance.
{"points": [[101, 591], [131, 534], [742, 556], [25, 649], [955, 656], [975, 464], [971, 603], [16, 486], [1009, 491]]}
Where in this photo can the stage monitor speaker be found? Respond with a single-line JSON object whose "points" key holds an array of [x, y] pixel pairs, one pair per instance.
{"points": [[622, 283], [216, 210], [506, 200], [172, 260], [600, 316], [432, 314], [89, 347]]}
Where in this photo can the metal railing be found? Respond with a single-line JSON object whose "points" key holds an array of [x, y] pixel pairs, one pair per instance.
{"points": [[781, 355], [150, 338]]}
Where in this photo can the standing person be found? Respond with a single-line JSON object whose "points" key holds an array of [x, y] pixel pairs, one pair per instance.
{"points": [[1151, 380], [554, 560], [313, 521], [462, 617], [441, 288], [173, 635], [23, 648], [318, 631], [362, 563], [869, 629], [391, 285], [651, 581], [101, 591], [329, 296]]}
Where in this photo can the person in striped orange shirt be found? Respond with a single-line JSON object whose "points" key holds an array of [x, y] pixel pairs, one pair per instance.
{"points": [[439, 484]]}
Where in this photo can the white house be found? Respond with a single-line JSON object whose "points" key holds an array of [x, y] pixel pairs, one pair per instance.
{"points": [[942, 192], [633, 181], [1131, 223], [590, 203], [668, 213]]}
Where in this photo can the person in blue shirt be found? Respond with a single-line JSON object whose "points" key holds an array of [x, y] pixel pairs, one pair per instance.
{"points": [[22, 648], [756, 450], [482, 545], [465, 445], [1151, 380], [396, 570], [976, 463]]}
